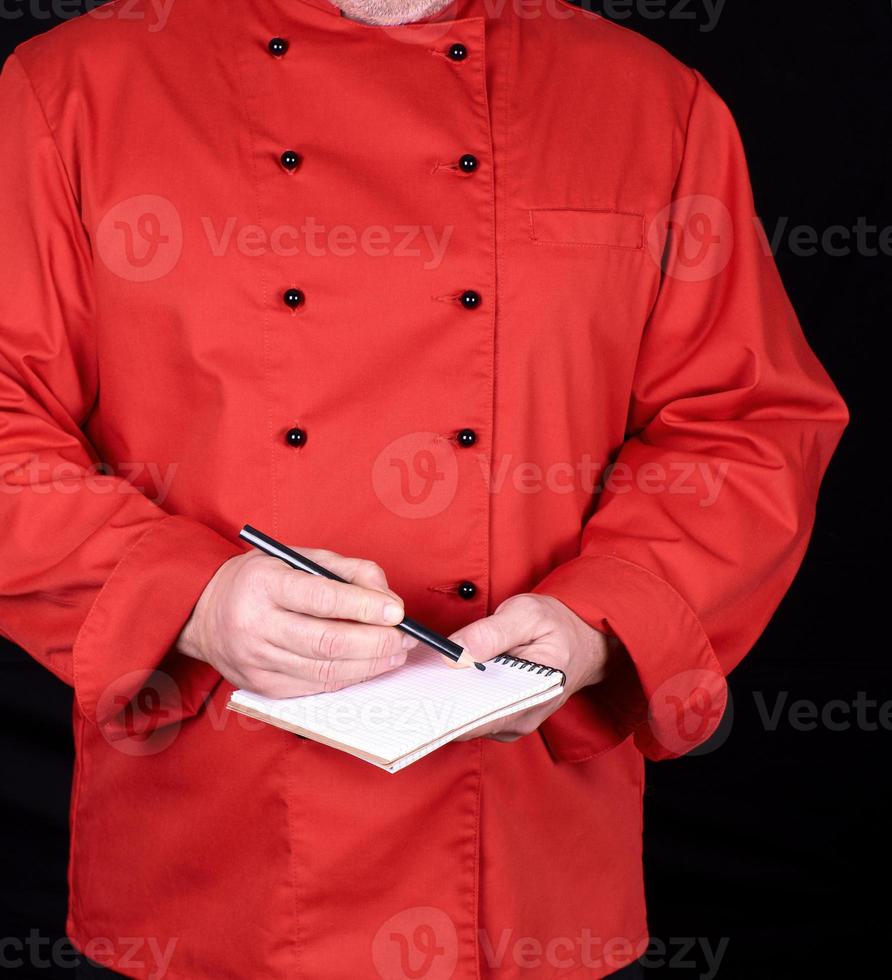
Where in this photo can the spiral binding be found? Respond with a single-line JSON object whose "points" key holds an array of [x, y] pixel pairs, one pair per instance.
{"points": [[530, 665]]}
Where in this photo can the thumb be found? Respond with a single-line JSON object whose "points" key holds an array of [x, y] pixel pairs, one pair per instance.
{"points": [[499, 633]]}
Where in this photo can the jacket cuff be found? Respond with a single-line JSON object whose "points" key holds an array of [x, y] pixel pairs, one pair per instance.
{"points": [[666, 687], [128, 677]]}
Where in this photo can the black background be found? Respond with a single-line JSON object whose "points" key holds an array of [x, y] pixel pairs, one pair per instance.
{"points": [[770, 838]]}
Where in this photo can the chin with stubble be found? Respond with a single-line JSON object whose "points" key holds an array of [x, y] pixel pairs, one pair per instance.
{"points": [[391, 12]]}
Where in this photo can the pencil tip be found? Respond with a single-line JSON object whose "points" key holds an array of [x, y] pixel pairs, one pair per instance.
{"points": [[479, 666]]}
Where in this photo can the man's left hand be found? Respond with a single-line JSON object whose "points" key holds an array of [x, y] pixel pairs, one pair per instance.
{"points": [[542, 629]]}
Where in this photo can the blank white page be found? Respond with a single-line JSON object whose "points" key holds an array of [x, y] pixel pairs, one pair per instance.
{"points": [[398, 717]]}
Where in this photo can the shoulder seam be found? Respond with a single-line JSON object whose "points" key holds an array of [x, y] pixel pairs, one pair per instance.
{"points": [[49, 128], [694, 95], [698, 78]]}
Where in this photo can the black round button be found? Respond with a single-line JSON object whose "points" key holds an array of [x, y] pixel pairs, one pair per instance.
{"points": [[295, 437], [466, 437], [293, 298], [470, 299], [290, 160], [457, 52], [467, 590], [278, 46], [468, 163]]}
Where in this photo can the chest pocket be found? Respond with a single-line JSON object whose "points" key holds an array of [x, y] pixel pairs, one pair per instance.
{"points": [[593, 227]]}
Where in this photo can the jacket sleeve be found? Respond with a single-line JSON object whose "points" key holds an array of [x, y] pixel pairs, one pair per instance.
{"points": [[96, 581], [707, 511]]}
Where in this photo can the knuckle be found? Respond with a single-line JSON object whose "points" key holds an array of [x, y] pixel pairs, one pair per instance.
{"points": [[366, 672], [386, 643], [363, 572], [257, 574], [319, 598], [323, 672], [259, 681], [317, 554], [522, 605], [370, 570], [330, 644], [483, 635], [334, 682], [364, 608], [252, 656]]}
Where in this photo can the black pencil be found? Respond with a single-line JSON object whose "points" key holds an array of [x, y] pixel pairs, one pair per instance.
{"points": [[275, 549]]}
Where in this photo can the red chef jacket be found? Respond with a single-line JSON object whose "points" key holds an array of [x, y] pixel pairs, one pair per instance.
{"points": [[255, 282]]}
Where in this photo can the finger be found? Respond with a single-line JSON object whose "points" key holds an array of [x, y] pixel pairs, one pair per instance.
{"points": [[498, 633], [359, 571], [483, 731], [499, 731], [312, 675], [275, 684], [331, 639], [323, 598], [278, 684], [513, 727]]}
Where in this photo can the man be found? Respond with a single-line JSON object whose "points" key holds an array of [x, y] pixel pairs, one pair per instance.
{"points": [[472, 298]]}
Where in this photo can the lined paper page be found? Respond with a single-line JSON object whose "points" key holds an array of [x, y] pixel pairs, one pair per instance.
{"points": [[398, 713], [429, 747]]}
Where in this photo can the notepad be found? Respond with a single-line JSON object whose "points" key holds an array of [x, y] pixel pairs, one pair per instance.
{"points": [[399, 717]]}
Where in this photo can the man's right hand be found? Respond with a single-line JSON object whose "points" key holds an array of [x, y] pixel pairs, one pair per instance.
{"points": [[282, 633]]}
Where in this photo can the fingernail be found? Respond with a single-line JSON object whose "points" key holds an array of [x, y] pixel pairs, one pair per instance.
{"points": [[393, 612], [408, 641], [395, 661]]}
